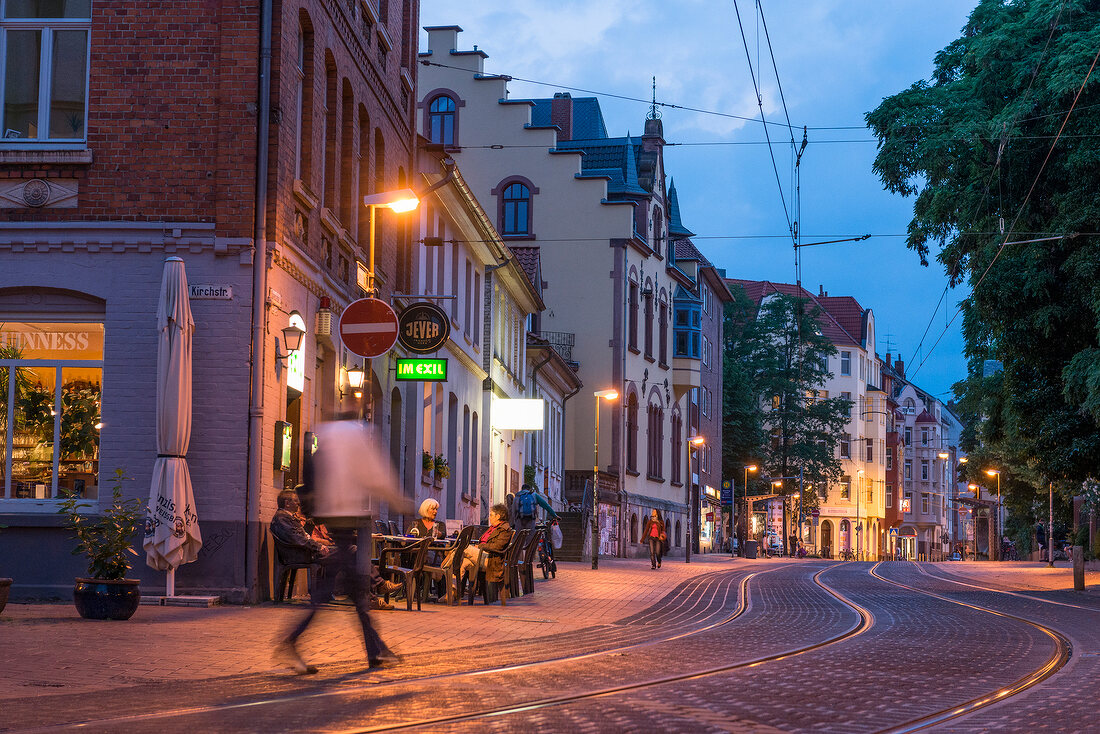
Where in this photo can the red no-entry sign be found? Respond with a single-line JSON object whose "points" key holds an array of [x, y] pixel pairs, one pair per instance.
{"points": [[368, 327]]}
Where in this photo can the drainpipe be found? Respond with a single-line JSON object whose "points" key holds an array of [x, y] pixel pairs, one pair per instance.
{"points": [[534, 385], [259, 317]]}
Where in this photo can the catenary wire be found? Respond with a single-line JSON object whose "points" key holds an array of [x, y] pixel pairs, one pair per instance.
{"points": [[1009, 233], [986, 189], [760, 105]]}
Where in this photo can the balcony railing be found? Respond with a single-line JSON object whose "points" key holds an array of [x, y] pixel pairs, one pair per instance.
{"points": [[560, 341]]}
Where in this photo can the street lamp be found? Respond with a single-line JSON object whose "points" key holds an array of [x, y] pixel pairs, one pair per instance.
{"points": [[397, 201], [606, 395], [694, 442], [1000, 520], [748, 468], [944, 456]]}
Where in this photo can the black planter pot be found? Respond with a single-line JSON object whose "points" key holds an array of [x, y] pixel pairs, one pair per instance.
{"points": [[5, 587], [102, 599]]}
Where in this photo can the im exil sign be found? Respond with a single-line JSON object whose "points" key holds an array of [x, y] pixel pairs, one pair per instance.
{"points": [[421, 369]]}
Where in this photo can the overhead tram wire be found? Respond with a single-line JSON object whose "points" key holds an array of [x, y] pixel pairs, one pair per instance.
{"points": [[760, 105], [986, 189], [1020, 211]]}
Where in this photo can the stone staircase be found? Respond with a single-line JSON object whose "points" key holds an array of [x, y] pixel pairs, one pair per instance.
{"points": [[573, 537]]}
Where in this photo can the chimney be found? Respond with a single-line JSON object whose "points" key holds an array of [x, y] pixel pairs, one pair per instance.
{"points": [[561, 114], [899, 367], [887, 359]]}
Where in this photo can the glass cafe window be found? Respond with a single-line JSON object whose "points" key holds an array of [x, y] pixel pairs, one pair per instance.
{"points": [[44, 70], [51, 377]]}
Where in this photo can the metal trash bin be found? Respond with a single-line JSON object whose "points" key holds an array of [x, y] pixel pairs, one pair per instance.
{"points": [[750, 548]]}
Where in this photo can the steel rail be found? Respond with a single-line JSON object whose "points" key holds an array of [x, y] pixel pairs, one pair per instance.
{"points": [[1003, 591], [710, 582], [866, 621], [1062, 652]]}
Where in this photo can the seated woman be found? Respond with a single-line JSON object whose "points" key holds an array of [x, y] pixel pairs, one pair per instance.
{"points": [[493, 542], [425, 525]]}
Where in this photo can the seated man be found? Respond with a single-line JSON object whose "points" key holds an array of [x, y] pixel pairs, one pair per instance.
{"points": [[291, 527]]}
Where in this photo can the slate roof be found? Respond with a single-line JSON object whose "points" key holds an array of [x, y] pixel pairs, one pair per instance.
{"points": [[587, 117], [832, 328], [676, 227], [616, 158]]}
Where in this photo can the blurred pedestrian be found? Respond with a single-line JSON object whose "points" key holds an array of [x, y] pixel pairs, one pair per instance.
{"points": [[348, 470], [653, 533]]}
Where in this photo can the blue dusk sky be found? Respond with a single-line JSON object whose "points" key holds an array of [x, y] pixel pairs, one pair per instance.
{"points": [[837, 59]]}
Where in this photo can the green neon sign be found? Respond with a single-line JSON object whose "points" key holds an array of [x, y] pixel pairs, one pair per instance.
{"points": [[421, 369]]}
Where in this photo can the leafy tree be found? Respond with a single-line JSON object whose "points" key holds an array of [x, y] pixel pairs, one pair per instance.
{"points": [[774, 361], [976, 145]]}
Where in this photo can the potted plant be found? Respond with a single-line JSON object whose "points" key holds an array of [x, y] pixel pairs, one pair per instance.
{"points": [[105, 542], [427, 464], [442, 468]]}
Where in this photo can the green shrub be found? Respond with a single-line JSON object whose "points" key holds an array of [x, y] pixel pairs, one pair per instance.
{"points": [[105, 540]]}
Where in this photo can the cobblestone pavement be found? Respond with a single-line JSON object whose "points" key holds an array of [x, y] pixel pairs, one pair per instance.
{"points": [[1065, 702], [686, 623]]}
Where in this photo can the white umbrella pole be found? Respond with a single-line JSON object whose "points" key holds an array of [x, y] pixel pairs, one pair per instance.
{"points": [[170, 586]]}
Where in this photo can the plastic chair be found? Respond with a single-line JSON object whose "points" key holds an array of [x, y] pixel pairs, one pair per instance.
{"points": [[449, 573], [527, 564], [292, 558], [409, 575], [491, 591]]}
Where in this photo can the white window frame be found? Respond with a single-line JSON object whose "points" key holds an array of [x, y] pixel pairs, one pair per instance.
{"points": [[846, 363], [45, 76]]}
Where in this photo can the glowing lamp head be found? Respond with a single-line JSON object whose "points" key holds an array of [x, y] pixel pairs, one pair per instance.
{"points": [[697, 440], [607, 394], [944, 455], [404, 205], [992, 472], [750, 467], [356, 376]]}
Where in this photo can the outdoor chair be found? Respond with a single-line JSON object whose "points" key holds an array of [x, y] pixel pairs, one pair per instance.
{"points": [[449, 573], [509, 587], [491, 591], [393, 527], [527, 564], [292, 558], [412, 554]]}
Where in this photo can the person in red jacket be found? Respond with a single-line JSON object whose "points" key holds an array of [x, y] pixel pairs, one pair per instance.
{"points": [[653, 534]]}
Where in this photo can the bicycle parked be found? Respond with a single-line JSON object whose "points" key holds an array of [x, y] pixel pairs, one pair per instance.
{"points": [[847, 555], [546, 550]]}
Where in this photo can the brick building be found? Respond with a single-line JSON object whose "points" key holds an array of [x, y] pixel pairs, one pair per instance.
{"points": [[147, 147]]}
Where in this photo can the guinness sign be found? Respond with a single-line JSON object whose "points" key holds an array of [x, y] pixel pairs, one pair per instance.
{"points": [[423, 328]]}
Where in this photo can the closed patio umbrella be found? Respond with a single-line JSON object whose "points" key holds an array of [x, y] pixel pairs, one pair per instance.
{"points": [[172, 535]]}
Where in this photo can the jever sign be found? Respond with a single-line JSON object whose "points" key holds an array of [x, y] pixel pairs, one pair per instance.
{"points": [[423, 328]]}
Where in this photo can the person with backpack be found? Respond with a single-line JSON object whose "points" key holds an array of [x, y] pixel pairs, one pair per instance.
{"points": [[526, 507]]}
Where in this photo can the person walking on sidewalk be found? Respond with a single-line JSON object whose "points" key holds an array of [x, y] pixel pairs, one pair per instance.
{"points": [[345, 473], [653, 533], [526, 508]]}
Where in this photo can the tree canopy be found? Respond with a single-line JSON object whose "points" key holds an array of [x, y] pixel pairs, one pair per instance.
{"points": [[1000, 147], [774, 412]]}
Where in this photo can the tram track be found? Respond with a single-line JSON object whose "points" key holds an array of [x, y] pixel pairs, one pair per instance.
{"points": [[699, 590], [865, 622], [1063, 650], [1016, 594]]}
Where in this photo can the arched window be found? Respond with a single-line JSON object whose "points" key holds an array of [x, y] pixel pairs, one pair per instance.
{"points": [[677, 442], [677, 533], [441, 120], [632, 434], [633, 528], [648, 295], [662, 330], [515, 210], [632, 313]]}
